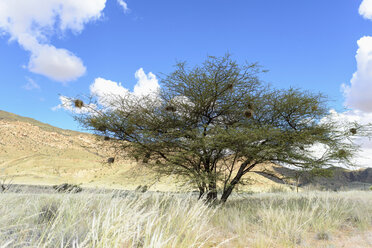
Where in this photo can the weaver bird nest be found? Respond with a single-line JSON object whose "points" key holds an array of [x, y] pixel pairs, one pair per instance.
{"points": [[102, 128], [229, 86], [353, 130], [170, 108], [78, 103], [248, 113], [342, 153], [314, 108]]}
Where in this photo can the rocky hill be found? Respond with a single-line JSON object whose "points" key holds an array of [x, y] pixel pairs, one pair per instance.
{"points": [[343, 178], [32, 152], [340, 178]]}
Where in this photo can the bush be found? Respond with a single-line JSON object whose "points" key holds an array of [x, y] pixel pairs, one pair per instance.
{"points": [[67, 188], [322, 236], [5, 184], [142, 189]]}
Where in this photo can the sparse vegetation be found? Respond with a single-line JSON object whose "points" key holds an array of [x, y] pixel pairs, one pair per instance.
{"points": [[141, 188], [5, 184], [306, 219], [67, 188]]}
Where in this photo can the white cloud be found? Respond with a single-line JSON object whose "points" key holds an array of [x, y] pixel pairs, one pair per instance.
{"points": [[107, 92], [358, 94], [32, 23], [183, 100], [68, 104], [57, 64], [124, 5], [146, 84], [364, 157], [365, 9], [31, 85]]}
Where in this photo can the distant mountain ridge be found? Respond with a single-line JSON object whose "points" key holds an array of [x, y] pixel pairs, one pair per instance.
{"points": [[341, 178], [32, 152]]}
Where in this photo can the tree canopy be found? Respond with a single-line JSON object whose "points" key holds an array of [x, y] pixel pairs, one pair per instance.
{"points": [[215, 122]]}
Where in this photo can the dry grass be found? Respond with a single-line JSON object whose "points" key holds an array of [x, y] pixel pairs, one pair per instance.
{"points": [[308, 219]]}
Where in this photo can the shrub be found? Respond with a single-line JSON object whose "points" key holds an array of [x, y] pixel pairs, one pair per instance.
{"points": [[142, 189], [67, 188], [5, 184], [322, 236]]}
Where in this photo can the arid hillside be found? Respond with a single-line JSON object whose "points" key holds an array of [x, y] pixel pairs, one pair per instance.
{"points": [[36, 153], [32, 152]]}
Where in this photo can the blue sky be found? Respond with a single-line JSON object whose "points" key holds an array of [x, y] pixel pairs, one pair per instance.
{"points": [[308, 44]]}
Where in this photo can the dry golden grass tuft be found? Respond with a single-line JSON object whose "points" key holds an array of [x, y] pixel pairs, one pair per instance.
{"points": [[307, 219]]}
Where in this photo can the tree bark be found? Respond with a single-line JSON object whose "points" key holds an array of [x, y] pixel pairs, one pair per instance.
{"points": [[297, 184], [212, 191], [227, 192], [201, 192], [242, 170]]}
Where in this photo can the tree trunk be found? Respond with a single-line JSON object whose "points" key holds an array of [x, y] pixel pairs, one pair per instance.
{"points": [[201, 192], [227, 193], [212, 192], [297, 184], [242, 170], [228, 190]]}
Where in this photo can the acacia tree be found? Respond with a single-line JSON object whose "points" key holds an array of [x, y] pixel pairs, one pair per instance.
{"points": [[216, 122]]}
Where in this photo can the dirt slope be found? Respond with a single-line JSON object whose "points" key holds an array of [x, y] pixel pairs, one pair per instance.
{"points": [[32, 152]]}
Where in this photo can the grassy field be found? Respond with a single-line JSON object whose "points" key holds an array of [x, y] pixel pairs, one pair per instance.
{"points": [[307, 219]]}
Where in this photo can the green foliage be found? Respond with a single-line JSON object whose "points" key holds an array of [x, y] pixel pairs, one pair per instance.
{"points": [[213, 123], [321, 172]]}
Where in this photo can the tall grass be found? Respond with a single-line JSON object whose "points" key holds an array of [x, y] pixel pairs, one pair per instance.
{"points": [[166, 220], [295, 220]]}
